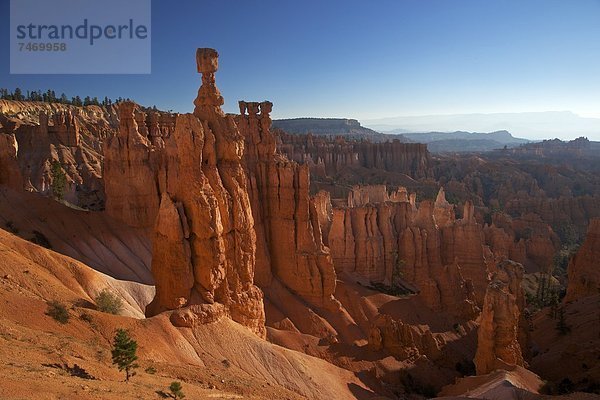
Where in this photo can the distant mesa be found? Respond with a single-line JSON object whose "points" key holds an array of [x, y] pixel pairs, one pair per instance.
{"points": [[536, 125], [331, 127], [460, 141], [437, 142]]}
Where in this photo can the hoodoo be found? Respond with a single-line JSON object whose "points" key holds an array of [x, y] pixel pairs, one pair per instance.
{"points": [[498, 336]]}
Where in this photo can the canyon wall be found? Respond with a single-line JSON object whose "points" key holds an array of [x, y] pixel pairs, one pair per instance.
{"points": [[557, 212], [525, 239], [329, 157], [290, 246], [130, 171], [46, 134], [10, 173], [395, 242]]}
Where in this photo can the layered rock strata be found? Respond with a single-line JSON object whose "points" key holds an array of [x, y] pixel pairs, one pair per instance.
{"points": [[68, 136], [394, 241], [404, 341], [290, 247], [526, 239], [182, 178], [328, 157], [10, 173], [131, 165]]}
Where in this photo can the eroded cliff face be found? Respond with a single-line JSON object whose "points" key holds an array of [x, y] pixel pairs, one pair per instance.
{"points": [[330, 157], [10, 173], [498, 335], [404, 341], [392, 241], [55, 133], [584, 268], [131, 165], [181, 177], [290, 247], [198, 188]]}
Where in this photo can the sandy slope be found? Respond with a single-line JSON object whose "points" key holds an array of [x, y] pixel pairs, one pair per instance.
{"points": [[574, 355], [219, 360], [518, 384]]}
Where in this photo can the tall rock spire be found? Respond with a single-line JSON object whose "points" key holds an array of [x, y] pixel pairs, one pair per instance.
{"points": [[209, 100]]}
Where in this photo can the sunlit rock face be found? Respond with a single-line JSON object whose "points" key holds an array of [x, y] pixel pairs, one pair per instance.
{"points": [[289, 240], [181, 178], [388, 238]]}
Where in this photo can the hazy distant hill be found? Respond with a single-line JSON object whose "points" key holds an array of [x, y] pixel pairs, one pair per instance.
{"points": [[533, 125], [458, 141], [331, 127], [465, 141], [503, 137]]}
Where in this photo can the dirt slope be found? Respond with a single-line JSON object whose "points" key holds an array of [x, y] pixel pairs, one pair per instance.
{"points": [[218, 360]]}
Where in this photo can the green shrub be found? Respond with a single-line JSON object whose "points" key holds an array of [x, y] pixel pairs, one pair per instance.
{"points": [[86, 317], [58, 311], [150, 370], [176, 390], [108, 302]]}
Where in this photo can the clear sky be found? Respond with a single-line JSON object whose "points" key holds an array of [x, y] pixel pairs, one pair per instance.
{"points": [[362, 59]]}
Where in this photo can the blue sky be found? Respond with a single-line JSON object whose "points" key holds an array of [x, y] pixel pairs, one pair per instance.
{"points": [[362, 59]]}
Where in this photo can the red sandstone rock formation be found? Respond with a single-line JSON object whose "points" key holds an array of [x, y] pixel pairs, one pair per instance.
{"points": [[433, 264], [65, 128], [394, 241], [463, 243], [290, 246], [584, 268], [576, 211], [404, 341], [204, 243], [526, 239], [130, 171], [10, 174], [49, 133], [328, 157], [498, 336], [182, 178]]}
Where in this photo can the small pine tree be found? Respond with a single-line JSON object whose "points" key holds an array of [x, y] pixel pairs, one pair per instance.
{"points": [[176, 390], [123, 353], [59, 180], [18, 95], [561, 325]]}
